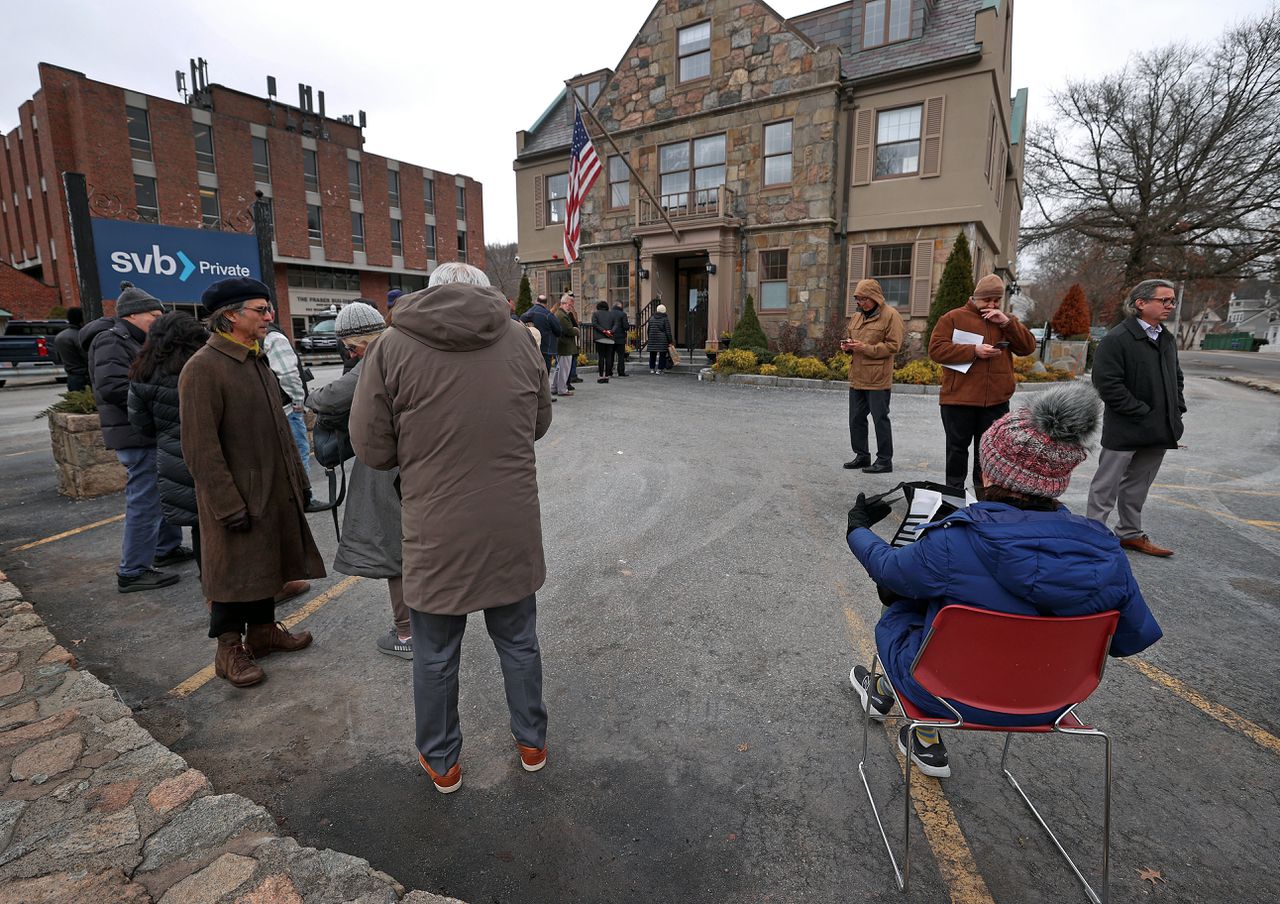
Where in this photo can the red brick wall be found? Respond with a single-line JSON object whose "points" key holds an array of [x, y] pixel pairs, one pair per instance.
{"points": [[377, 210], [335, 201], [23, 179], [374, 288], [233, 157], [413, 230], [24, 297], [290, 201], [283, 316], [446, 219], [475, 224], [255, 109], [13, 241], [173, 148]]}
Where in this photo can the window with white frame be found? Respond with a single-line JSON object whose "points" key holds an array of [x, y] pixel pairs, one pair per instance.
{"points": [[393, 187], [210, 211], [694, 50], [397, 237], [619, 183], [357, 231], [557, 198], [773, 280], [777, 153], [462, 247], [619, 286], [144, 191], [355, 186], [885, 21], [429, 193], [261, 160], [431, 242], [315, 232], [890, 265], [692, 166], [310, 170], [898, 142]]}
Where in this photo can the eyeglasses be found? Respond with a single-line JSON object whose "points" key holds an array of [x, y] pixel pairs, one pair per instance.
{"points": [[261, 312], [1167, 302]]}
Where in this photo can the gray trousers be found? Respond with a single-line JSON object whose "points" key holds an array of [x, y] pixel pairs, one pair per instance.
{"points": [[1122, 482], [876, 403], [437, 648]]}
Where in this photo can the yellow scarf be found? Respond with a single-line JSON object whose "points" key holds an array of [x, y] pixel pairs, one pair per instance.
{"points": [[256, 348]]}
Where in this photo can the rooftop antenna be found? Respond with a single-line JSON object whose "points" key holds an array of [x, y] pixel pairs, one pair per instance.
{"points": [[364, 122], [180, 78], [321, 95], [204, 73]]}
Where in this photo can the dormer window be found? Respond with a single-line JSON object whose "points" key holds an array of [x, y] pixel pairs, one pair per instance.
{"points": [[885, 21], [694, 49]]}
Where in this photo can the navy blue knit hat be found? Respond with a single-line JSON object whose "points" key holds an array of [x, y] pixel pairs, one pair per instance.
{"points": [[236, 290]]}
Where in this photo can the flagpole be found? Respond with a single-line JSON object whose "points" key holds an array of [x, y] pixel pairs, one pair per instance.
{"points": [[644, 188]]}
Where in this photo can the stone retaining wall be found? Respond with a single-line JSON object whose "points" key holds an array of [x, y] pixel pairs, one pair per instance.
{"points": [[94, 809]]}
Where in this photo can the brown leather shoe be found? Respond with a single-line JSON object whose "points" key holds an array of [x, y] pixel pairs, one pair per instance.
{"points": [[292, 589], [263, 640], [446, 784], [532, 758], [234, 662], [1144, 544]]}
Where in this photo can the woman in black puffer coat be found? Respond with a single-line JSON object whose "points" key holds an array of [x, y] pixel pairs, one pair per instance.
{"points": [[153, 412]]}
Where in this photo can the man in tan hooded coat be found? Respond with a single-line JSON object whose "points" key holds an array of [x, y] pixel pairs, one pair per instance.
{"points": [[871, 340], [455, 395]]}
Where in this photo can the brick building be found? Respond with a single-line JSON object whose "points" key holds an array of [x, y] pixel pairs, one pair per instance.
{"points": [[347, 223], [792, 157]]}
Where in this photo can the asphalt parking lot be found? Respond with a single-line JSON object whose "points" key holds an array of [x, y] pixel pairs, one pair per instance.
{"points": [[698, 624]]}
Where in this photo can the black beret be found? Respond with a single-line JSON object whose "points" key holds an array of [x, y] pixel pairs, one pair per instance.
{"points": [[236, 290]]}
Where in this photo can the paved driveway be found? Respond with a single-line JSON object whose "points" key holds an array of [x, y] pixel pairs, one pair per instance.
{"points": [[698, 624]]}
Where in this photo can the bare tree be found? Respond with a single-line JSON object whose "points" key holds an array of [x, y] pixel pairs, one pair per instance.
{"points": [[502, 266], [1173, 163]]}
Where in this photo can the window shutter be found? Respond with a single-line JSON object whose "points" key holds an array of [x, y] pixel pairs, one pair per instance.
{"points": [[931, 161], [857, 270], [538, 213], [922, 278], [541, 279], [991, 142], [863, 136], [1000, 177]]}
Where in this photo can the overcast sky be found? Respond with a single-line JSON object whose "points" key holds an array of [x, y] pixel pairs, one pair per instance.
{"points": [[447, 85]]}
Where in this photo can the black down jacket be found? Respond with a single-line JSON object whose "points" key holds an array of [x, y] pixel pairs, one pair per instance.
{"points": [[153, 412], [113, 344]]}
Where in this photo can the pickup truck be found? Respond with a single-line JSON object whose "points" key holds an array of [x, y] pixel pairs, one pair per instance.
{"points": [[30, 342]]}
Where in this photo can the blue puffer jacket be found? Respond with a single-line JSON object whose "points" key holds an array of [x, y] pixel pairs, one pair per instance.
{"points": [[994, 556]]}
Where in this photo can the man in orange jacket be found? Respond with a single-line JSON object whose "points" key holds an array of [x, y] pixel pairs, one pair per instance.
{"points": [[977, 377]]}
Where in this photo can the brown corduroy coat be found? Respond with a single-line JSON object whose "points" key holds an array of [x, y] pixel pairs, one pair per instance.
{"points": [[238, 447], [455, 395], [990, 380], [872, 368]]}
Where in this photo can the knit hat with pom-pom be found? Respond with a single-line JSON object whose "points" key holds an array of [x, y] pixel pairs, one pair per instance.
{"points": [[1034, 449]]}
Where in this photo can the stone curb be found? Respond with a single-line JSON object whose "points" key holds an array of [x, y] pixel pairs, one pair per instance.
{"points": [[710, 376], [1255, 383], [94, 809]]}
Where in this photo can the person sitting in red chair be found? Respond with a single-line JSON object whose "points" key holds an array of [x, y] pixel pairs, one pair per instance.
{"points": [[1020, 551]]}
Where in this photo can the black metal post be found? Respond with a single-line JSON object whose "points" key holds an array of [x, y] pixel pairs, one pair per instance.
{"points": [[76, 189], [262, 230]]}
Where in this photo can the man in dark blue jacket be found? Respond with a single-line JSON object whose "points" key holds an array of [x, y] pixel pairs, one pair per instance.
{"points": [[548, 327], [112, 344], [1135, 370], [1020, 551]]}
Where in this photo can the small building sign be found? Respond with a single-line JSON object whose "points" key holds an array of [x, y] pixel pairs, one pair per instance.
{"points": [[175, 265]]}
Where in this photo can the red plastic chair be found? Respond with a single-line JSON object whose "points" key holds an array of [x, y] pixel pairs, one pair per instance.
{"points": [[1015, 664]]}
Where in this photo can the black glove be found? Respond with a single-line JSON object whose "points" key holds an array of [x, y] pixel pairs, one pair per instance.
{"points": [[865, 514], [238, 523]]}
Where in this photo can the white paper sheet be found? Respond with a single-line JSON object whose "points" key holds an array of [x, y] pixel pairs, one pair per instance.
{"points": [[963, 337]]}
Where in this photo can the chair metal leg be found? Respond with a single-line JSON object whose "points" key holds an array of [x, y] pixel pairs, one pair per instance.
{"points": [[899, 877], [1106, 815]]}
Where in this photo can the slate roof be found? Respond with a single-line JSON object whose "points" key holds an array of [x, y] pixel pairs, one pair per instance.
{"points": [[947, 35], [554, 128]]}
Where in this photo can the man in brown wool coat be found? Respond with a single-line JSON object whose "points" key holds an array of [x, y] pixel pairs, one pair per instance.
{"points": [[250, 484]]}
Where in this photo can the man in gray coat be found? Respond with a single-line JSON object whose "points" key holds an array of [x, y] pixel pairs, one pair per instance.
{"points": [[454, 394], [1135, 370]]}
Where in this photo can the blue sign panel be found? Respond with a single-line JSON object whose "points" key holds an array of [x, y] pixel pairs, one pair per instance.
{"points": [[175, 265]]}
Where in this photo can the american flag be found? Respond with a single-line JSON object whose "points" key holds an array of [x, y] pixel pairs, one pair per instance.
{"points": [[584, 167]]}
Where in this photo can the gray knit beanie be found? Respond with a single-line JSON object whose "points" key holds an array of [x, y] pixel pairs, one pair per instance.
{"points": [[358, 319], [133, 300]]}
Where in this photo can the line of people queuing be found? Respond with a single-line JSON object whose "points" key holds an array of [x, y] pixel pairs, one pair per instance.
{"points": [[202, 418]]}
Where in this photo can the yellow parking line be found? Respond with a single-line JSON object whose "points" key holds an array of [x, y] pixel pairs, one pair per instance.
{"points": [[950, 848], [1252, 522], [1217, 711], [205, 675], [69, 533]]}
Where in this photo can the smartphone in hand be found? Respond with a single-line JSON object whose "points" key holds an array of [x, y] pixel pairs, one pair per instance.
{"points": [[1000, 345]]}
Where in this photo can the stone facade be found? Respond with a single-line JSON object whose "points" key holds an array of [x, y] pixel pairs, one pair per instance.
{"points": [[86, 468], [836, 212]]}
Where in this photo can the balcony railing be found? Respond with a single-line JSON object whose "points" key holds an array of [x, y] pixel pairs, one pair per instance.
{"points": [[703, 204]]}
